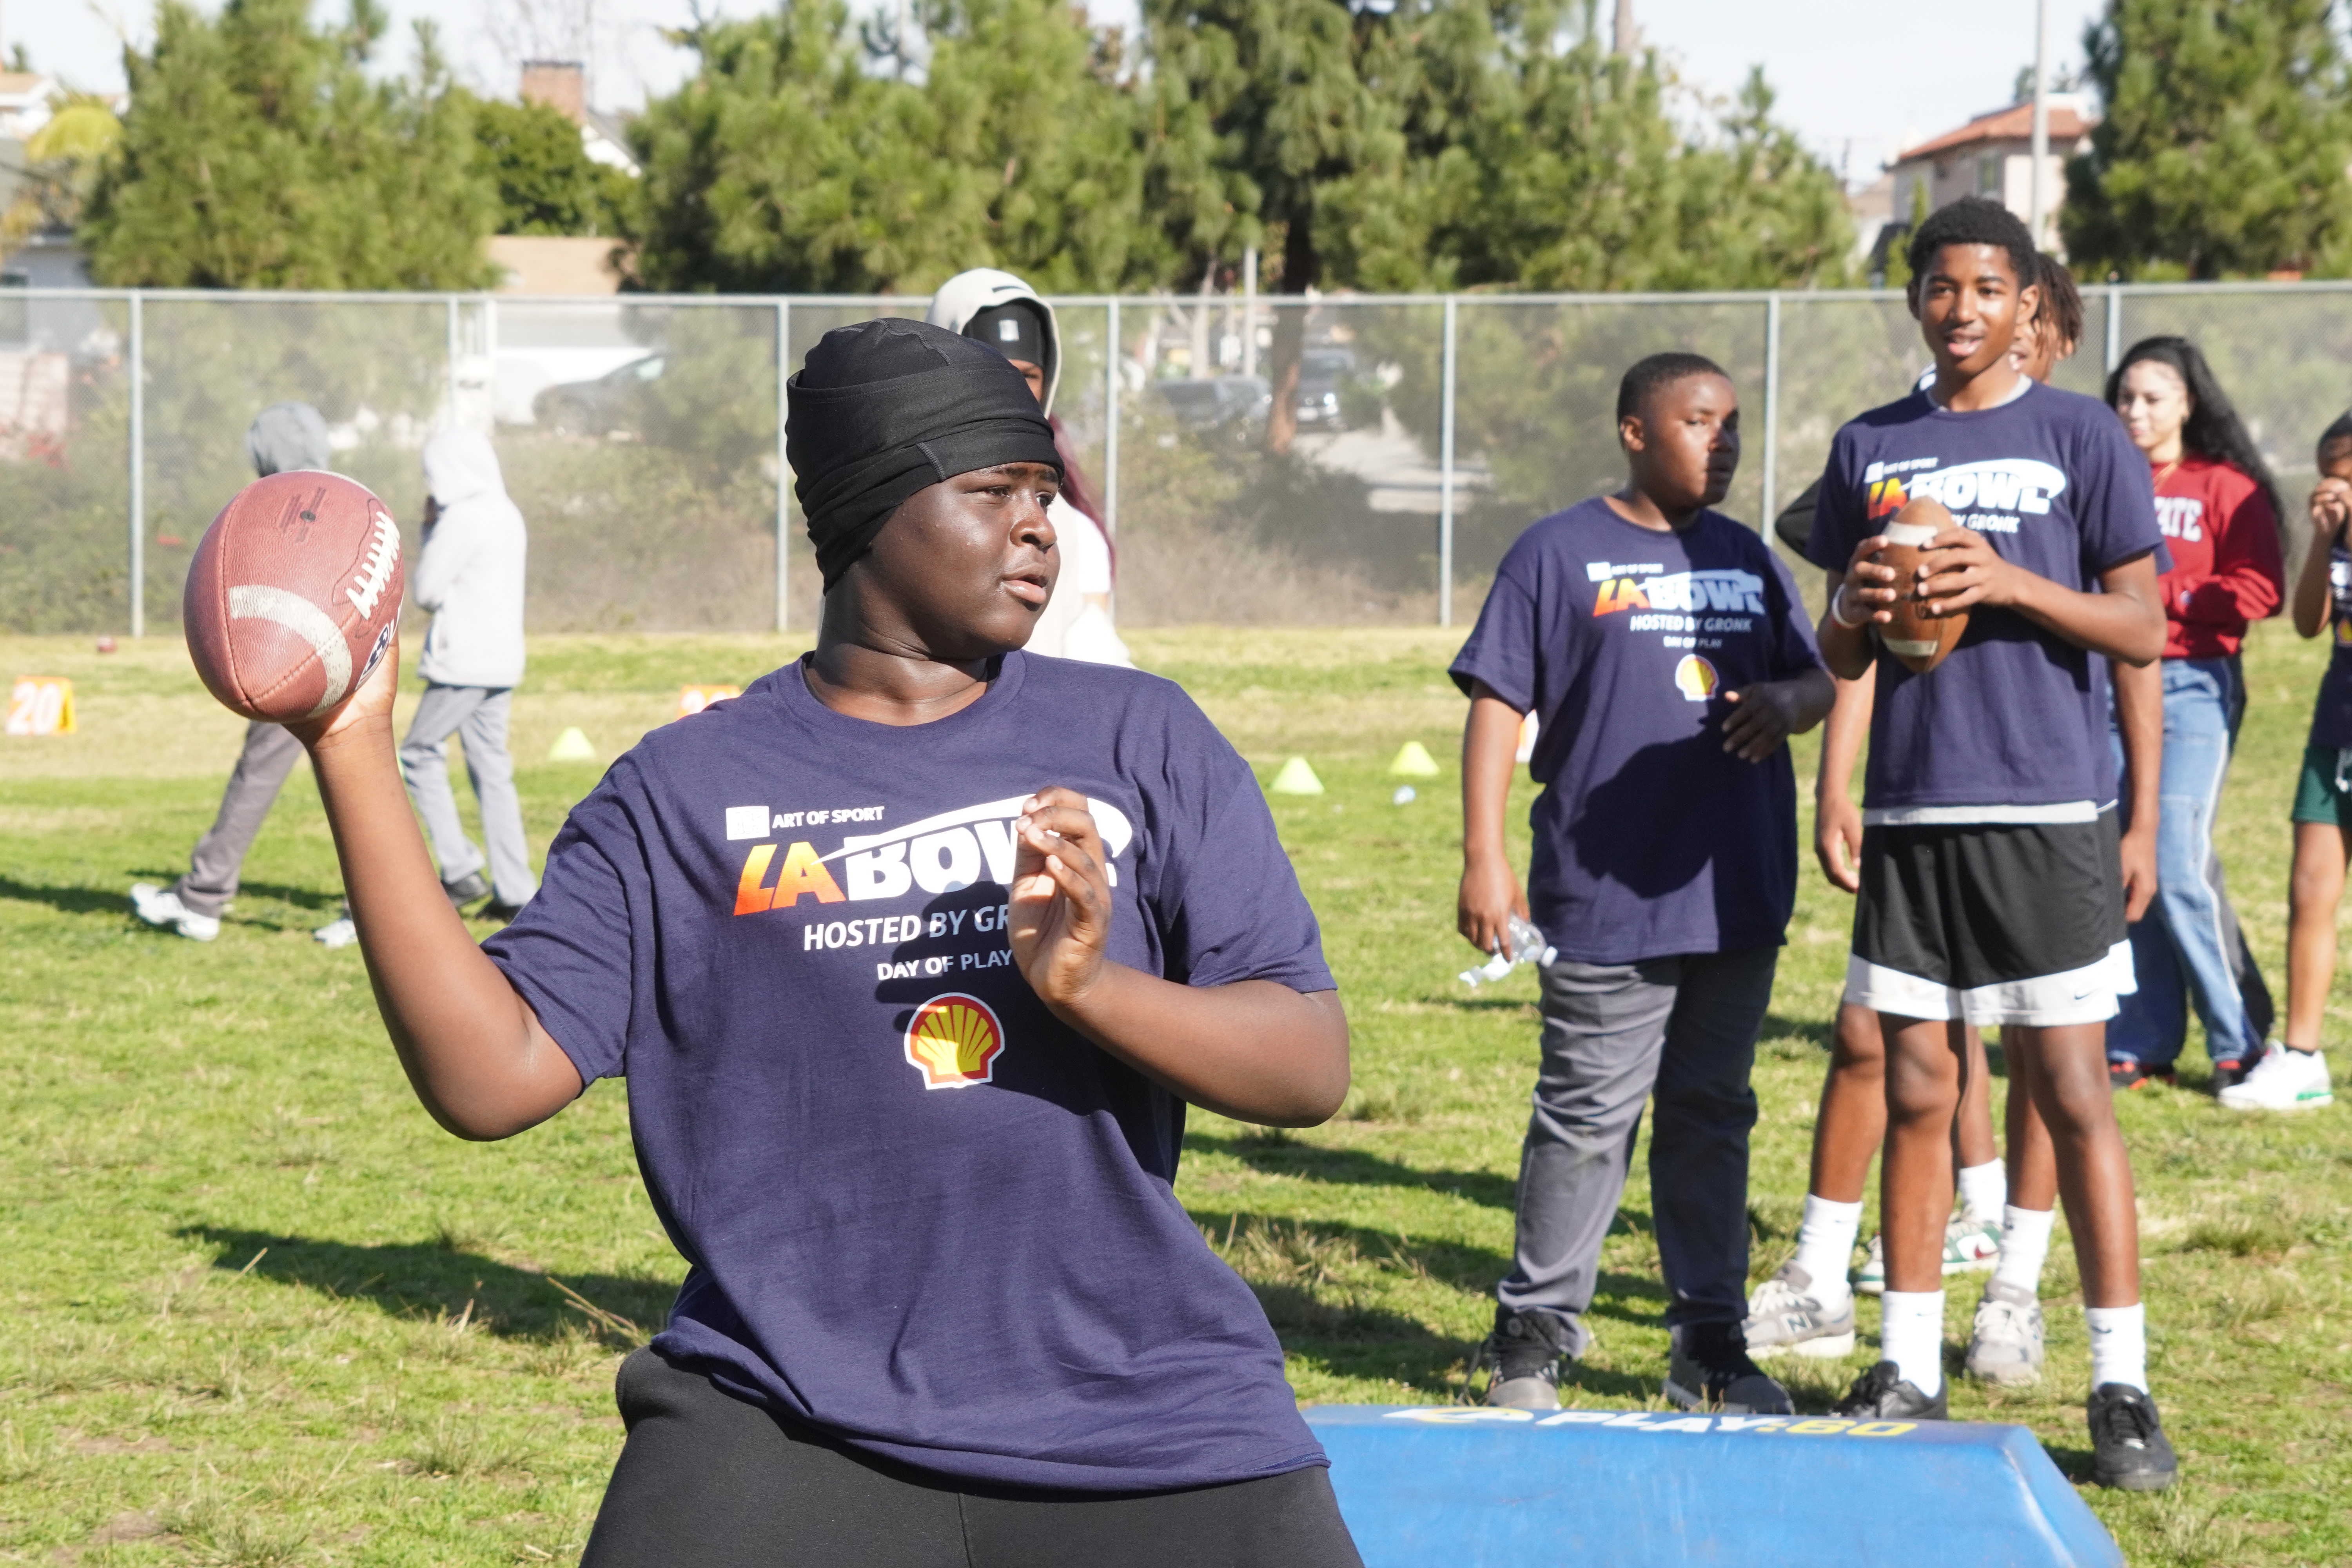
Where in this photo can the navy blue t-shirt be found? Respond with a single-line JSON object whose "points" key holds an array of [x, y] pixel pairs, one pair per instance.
{"points": [[1650, 839], [921, 1213], [2331, 715], [2015, 716]]}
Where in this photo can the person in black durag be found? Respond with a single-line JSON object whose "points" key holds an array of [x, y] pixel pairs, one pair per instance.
{"points": [[913, 956]]}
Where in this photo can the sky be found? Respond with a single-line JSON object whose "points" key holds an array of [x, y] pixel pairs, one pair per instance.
{"points": [[1858, 78]]}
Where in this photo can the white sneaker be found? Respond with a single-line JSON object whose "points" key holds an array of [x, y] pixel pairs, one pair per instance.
{"points": [[2284, 1079], [1786, 1313], [2005, 1345], [337, 933], [162, 907]]}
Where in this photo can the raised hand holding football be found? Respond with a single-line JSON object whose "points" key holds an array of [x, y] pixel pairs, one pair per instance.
{"points": [[1921, 641], [293, 595]]}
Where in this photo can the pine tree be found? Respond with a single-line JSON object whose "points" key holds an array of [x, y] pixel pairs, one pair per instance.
{"points": [[1259, 107], [1007, 140], [545, 181], [258, 154], [2223, 145]]}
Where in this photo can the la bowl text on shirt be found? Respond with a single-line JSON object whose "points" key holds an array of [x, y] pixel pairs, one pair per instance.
{"points": [[944, 853], [2005, 487]]}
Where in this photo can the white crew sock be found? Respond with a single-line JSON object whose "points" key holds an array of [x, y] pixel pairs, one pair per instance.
{"points": [[1911, 1335], [1984, 1191], [2024, 1243], [2118, 1345], [1825, 1247]]}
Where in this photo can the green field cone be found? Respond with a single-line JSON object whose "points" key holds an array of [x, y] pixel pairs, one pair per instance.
{"points": [[1296, 778], [1414, 762], [572, 746]]}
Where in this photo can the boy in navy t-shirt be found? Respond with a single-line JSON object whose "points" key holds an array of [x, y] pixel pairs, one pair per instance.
{"points": [[1663, 648], [912, 957], [1990, 885]]}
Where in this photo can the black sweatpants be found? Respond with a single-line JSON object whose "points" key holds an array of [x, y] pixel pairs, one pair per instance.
{"points": [[707, 1480]]}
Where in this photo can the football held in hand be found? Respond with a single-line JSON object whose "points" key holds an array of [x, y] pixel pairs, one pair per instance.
{"points": [[293, 595], [1919, 640]]}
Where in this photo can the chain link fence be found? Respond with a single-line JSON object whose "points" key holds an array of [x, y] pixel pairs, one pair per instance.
{"points": [[640, 435]]}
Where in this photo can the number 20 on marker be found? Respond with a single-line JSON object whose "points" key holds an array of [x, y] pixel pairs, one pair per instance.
{"points": [[40, 705]]}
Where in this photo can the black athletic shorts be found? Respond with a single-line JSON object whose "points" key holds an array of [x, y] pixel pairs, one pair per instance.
{"points": [[707, 1480], [1996, 924]]}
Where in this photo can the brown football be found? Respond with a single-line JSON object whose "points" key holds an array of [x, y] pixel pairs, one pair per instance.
{"points": [[293, 594], [1919, 640]]}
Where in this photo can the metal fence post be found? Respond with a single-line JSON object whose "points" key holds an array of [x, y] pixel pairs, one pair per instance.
{"points": [[1445, 477], [2114, 326], [784, 474], [138, 470], [451, 419], [1771, 411], [1110, 442]]}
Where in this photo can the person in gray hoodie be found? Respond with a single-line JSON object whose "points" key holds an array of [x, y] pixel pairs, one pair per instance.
{"points": [[469, 574], [284, 437]]}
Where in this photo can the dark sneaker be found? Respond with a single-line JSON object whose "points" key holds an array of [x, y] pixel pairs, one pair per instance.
{"points": [[2127, 1446], [2231, 1073], [1882, 1395], [2138, 1074], [497, 911], [1709, 1368], [473, 885], [1522, 1359]]}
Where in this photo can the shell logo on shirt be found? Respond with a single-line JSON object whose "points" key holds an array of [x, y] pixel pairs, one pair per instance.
{"points": [[1696, 679], [954, 1040]]}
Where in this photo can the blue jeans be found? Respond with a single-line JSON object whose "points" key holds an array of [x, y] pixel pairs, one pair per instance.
{"points": [[2185, 948]]}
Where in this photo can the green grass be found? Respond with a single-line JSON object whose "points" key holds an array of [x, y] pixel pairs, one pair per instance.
{"points": [[264, 1312]]}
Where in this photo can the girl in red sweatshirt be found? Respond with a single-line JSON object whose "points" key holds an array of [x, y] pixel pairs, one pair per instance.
{"points": [[2218, 509]]}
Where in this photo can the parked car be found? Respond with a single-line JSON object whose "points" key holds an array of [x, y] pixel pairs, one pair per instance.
{"points": [[1323, 375], [601, 406], [1227, 407]]}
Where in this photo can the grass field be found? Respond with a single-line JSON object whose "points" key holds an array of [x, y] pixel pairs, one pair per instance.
{"points": [[267, 1313]]}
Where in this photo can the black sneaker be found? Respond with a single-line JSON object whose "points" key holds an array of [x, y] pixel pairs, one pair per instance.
{"points": [[2138, 1074], [1709, 1368], [473, 885], [497, 909], [2127, 1446], [1882, 1395], [1522, 1358]]}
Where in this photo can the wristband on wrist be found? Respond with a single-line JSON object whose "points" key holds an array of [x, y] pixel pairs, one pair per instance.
{"points": [[1839, 598]]}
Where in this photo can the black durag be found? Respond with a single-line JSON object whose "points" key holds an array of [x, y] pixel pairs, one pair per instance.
{"points": [[888, 408]]}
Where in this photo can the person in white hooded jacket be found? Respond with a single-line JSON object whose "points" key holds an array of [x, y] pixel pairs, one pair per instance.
{"points": [[469, 574], [1001, 310]]}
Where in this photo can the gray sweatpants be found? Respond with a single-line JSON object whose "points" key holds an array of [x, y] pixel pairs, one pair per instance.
{"points": [[477, 715], [1682, 1029], [269, 757]]}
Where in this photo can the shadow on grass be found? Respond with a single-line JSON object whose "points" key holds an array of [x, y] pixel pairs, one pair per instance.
{"points": [[437, 1280], [2077, 1465], [1311, 1278], [1813, 1031], [71, 901], [1353, 1167], [307, 899], [1286, 1156], [1482, 1003]]}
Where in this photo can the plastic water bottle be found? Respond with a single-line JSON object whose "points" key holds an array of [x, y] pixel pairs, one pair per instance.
{"points": [[1527, 945]]}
